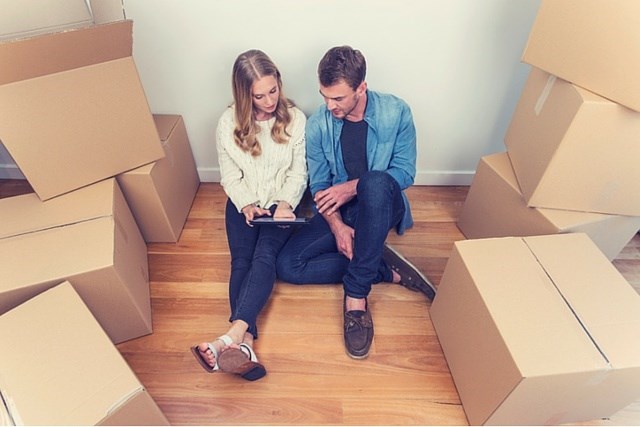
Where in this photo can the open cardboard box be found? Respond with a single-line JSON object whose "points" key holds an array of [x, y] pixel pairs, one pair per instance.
{"points": [[495, 207], [592, 43], [160, 194], [72, 107], [572, 149], [58, 367], [538, 330], [87, 237]]}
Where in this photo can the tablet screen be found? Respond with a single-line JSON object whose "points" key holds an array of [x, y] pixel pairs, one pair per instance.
{"points": [[267, 220]]}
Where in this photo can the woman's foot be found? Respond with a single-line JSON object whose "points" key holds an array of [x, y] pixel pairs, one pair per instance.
{"points": [[207, 353], [242, 360]]}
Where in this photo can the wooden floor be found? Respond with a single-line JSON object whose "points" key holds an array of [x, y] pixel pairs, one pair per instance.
{"points": [[310, 381]]}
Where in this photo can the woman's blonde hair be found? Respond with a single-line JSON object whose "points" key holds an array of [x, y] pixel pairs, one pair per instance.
{"points": [[249, 67]]}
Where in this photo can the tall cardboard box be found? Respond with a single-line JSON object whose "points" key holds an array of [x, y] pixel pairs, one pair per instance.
{"points": [[572, 149], [58, 367], [87, 237], [494, 207], [592, 43], [538, 330], [160, 194], [72, 107]]}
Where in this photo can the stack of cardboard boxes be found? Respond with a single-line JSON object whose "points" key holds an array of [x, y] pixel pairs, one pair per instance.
{"points": [[108, 176], [537, 325], [572, 144]]}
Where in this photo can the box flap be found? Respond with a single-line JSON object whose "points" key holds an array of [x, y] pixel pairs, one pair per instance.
{"points": [[24, 18], [53, 53], [57, 365], [511, 278], [27, 213], [604, 303]]}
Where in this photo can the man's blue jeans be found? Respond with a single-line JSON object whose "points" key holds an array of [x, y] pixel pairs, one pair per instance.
{"points": [[311, 254], [253, 264]]}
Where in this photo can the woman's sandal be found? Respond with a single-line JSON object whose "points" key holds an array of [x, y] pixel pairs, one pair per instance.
{"points": [[242, 361], [199, 355]]}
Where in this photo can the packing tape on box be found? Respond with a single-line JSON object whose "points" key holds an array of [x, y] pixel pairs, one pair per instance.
{"points": [[544, 95], [169, 153], [124, 399]]}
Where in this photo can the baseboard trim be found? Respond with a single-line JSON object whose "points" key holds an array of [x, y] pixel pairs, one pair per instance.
{"points": [[422, 177], [213, 175]]}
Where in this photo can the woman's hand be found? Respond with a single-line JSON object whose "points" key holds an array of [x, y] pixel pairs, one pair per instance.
{"points": [[283, 211], [252, 211]]}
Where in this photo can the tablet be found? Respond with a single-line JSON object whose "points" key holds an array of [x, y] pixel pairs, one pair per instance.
{"points": [[267, 220]]}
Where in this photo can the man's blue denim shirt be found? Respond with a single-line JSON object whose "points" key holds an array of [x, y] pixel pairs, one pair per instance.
{"points": [[391, 146]]}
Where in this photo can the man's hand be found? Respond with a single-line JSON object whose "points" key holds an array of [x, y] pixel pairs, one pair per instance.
{"points": [[328, 201], [342, 233], [344, 239]]}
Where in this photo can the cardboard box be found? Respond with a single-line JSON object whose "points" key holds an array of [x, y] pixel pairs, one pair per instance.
{"points": [[592, 43], [160, 194], [494, 207], [88, 237], [572, 149], [72, 108], [58, 367], [538, 330], [27, 18]]}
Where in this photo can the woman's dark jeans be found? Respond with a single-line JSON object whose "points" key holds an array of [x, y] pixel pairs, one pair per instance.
{"points": [[311, 254], [253, 264]]}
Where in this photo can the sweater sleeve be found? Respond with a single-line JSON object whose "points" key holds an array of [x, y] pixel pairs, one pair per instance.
{"points": [[295, 177], [232, 177]]}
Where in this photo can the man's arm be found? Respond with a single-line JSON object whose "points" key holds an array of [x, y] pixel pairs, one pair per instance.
{"points": [[403, 160], [330, 200], [327, 196], [342, 232]]}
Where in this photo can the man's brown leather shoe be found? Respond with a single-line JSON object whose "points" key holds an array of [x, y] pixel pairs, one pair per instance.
{"points": [[358, 332], [410, 276]]}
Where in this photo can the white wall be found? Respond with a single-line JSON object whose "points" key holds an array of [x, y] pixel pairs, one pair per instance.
{"points": [[456, 62]]}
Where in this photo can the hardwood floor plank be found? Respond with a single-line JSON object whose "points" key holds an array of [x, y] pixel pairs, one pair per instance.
{"points": [[407, 411], [249, 410], [188, 267]]}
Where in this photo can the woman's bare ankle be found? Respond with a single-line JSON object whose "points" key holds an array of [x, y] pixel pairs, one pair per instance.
{"points": [[238, 331]]}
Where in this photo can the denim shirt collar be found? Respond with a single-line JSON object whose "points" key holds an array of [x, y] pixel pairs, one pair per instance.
{"points": [[369, 114]]}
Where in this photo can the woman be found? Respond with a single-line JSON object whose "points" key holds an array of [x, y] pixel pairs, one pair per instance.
{"points": [[260, 143]]}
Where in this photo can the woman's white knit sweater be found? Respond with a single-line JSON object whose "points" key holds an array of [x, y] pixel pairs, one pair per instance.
{"points": [[278, 173]]}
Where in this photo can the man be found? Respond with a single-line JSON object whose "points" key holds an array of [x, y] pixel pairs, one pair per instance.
{"points": [[361, 155]]}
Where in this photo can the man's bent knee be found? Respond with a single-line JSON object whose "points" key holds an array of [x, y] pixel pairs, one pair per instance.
{"points": [[377, 186]]}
